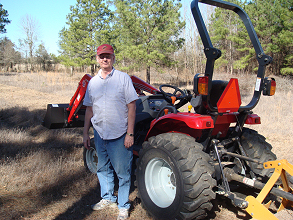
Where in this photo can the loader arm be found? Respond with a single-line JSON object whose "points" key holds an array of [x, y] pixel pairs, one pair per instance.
{"points": [[77, 99], [72, 114]]}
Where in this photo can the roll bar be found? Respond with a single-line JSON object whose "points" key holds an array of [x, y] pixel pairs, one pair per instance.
{"points": [[212, 53]]}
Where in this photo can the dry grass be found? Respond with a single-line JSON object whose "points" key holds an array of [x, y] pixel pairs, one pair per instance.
{"points": [[276, 116], [42, 172]]}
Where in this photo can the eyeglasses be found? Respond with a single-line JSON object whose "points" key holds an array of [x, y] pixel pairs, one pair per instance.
{"points": [[103, 56]]}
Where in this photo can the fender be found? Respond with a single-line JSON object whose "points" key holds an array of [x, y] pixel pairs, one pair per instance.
{"points": [[192, 124], [182, 122]]}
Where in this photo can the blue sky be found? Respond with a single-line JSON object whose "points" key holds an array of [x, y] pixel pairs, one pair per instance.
{"points": [[50, 14]]}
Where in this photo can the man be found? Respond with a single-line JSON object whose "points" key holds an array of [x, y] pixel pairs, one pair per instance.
{"points": [[110, 100]]}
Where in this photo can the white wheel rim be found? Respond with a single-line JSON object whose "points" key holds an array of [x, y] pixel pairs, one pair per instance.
{"points": [[92, 160], [160, 182]]}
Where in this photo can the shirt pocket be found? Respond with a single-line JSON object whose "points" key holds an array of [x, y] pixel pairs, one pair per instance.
{"points": [[115, 93]]}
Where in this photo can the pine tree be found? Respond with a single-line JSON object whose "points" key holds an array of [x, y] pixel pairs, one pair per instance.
{"points": [[245, 60], [222, 32], [87, 27], [148, 32], [272, 20], [8, 55], [3, 19], [42, 56], [229, 35], [273, 23]]}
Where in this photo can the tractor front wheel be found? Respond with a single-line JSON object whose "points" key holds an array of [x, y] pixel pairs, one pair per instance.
{"points": [[174, 177], [90, 158]]}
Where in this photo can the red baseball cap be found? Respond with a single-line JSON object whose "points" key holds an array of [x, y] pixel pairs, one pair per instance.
{"points": [[105, 48]]}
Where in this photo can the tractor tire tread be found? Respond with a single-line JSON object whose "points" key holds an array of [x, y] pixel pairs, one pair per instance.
{"points": [[195, 169], [256, 147]]}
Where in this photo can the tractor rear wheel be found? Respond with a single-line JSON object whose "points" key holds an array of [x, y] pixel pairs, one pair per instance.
{"points": [[174, 177], [256, 147]]}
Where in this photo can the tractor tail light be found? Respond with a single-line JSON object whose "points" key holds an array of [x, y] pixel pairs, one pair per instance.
{"points": [[203, 85], [273, 87], [269, 87]]}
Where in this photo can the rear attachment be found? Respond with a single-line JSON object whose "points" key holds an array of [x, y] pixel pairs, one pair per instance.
{"points": [[260, 211], [255, 206]]}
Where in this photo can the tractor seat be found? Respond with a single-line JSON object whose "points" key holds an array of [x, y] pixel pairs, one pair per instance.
{"points": [[218, 87]]}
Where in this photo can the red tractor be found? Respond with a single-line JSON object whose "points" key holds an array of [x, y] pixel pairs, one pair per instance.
{"points": [[185, 158]]}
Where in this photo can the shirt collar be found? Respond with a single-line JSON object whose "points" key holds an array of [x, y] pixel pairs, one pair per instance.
{"points": [[109, 75]]}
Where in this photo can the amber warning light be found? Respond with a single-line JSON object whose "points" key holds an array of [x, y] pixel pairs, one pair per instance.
{"points": [[269, 86], [203, 85]]}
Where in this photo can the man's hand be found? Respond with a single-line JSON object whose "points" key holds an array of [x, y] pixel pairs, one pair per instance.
{"points": [[86, 141], [128, 141]]}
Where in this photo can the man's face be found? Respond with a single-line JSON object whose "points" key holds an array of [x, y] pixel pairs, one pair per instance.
{"points": [[106, 60]]}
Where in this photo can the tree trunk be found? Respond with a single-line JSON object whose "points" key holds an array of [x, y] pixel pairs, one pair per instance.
{"points": [[148, 74], [93, 69]]}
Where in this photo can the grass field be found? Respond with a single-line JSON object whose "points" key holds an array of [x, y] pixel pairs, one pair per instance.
{"points": [[42, 172]]}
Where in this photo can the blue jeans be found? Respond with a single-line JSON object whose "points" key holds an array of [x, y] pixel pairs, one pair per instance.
{"points": [[113, 156]]}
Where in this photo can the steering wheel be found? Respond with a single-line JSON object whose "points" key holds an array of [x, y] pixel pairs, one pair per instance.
{"points": [[178, 93]]}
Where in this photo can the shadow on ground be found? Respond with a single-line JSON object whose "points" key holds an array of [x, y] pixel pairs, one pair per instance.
{"points": [[77, 188]]}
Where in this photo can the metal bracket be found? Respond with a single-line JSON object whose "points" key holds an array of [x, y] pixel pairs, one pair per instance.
{"points": [[225, 181], [255, 207]]}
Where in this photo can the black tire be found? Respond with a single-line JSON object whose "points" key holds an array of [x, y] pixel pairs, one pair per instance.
{"points": [[174, 178], [90, 158], [256, 147]]}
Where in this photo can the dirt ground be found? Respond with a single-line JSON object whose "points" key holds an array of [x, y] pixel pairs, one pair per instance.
{"points": [[76, 205]]}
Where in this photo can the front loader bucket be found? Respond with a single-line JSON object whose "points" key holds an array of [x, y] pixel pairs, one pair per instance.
{"points": [[57, 117], [255, 207], [68, 115]]}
